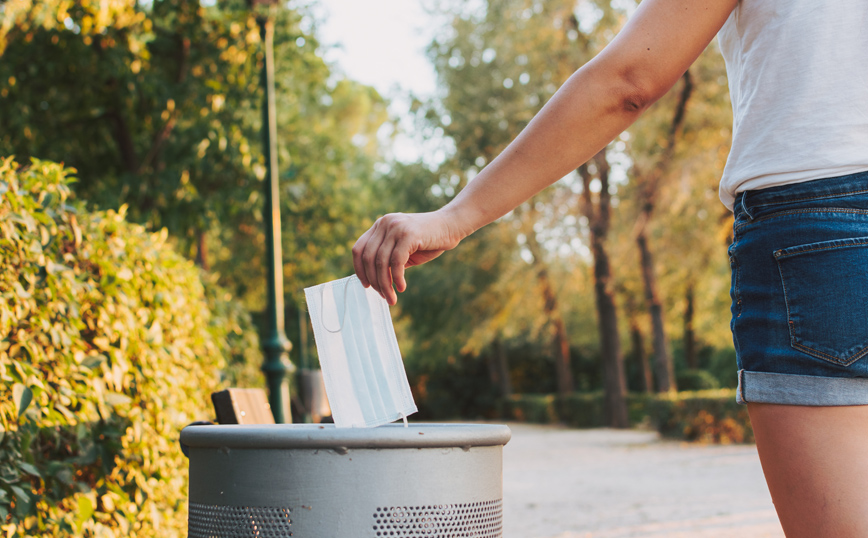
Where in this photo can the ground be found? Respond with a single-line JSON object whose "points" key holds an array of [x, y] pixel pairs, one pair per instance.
{"points": [[565, 483]]}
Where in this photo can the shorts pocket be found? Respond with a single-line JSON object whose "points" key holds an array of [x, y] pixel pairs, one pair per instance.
{"points": [[826, 293]]}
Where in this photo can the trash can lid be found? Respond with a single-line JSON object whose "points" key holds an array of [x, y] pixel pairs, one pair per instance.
{"points": [[418, 435]]}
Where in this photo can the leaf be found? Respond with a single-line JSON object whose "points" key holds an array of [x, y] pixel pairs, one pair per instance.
{"points": [[20, 494], [20, 291], [101, 342], [155, 333], [65, 475], [125, 274], [93, 361], [85, 509], [115, 399], [22, 395], [54, 268], [30, 469]]}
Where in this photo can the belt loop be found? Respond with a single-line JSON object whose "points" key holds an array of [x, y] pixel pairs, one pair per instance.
{"points": [[744, 204]]}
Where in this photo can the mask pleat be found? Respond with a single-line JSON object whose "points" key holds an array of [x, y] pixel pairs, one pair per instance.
{"points": [[376, 355], [370, 379], [358, 376]]}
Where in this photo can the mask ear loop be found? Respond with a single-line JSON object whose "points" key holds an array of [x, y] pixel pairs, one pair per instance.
{"points": [[343, 314], [403, 416]]}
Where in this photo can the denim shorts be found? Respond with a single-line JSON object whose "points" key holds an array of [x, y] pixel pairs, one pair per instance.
{"points": [[799, 262]]}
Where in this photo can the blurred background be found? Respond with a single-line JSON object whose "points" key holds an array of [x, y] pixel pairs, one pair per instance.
{"points": [[605, 289], [156, 106]]}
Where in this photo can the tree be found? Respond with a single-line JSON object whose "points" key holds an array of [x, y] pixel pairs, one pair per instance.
{"points": [[598, 214], [677, 151], [648, 186], [158, 107], [149, 105], [498, 65]]}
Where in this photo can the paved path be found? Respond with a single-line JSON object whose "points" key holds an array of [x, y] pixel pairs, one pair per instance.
{"points": [[563, 483]]}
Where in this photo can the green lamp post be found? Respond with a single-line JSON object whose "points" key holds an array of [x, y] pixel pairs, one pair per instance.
{"points": [[275, 344]]}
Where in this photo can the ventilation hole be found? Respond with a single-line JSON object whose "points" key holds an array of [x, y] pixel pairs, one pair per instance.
{"points": [[209, 521], [468, 520]]}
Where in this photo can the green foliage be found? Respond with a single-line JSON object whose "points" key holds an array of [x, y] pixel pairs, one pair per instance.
{"points": [[709, 416], [457, 388], [697, 380], [498, 62], [533, 408], [158, 106], [149, 105], [110, 342]]}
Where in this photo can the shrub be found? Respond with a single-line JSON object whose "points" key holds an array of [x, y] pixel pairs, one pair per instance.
{"points": [[533, 408], [110, 342], [707, 416], [710, 416], [696, 380], [582, 410]]}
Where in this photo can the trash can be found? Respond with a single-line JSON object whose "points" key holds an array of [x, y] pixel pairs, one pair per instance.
{"points": [[318, 481]]}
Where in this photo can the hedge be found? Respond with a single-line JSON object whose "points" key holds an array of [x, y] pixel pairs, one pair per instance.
{"points": [[710, 416], [110, 342]]}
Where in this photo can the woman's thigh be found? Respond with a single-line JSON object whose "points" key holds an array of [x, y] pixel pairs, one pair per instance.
{"points": [[815, 464]]}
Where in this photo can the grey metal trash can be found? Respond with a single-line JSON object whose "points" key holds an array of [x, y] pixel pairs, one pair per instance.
{"points": [[318, 481]]}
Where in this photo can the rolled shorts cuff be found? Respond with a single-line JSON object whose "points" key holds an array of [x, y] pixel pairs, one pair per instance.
{"points": [[795, 389]]}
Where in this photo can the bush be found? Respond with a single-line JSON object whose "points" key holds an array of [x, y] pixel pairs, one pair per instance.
{"points": [[533, 408], [582, 410], [110, 342], [704, 416], [710, 416], [696, 380]]}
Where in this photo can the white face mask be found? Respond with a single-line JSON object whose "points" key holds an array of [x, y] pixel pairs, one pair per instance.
{"points": [[358, 351]]}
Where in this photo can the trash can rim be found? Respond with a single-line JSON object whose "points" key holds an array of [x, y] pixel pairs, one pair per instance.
{"points": [[417, 435]]}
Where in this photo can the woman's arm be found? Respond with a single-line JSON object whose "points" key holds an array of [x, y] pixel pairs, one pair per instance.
{"points": [[595, 105]]}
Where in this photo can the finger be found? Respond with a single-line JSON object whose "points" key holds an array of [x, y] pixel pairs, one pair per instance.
{"points": [[369, 259], [358, 250], [400, 256], [397, 270], [384, 274]]}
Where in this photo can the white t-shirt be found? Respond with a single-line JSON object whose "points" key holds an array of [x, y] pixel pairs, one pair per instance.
{"points": [[798, 79]]}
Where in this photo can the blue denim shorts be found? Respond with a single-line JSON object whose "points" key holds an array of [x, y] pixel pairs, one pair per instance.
{"points": [[799, 291]]}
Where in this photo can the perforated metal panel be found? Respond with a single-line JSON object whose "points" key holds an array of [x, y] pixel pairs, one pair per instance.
{"points": [[467, 520], [209, 521]]}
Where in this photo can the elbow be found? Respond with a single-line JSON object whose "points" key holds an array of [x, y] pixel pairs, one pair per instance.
{"points": [[634, 102], [635, 91]]}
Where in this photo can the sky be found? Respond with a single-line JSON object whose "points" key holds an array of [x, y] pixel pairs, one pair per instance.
{"points": [[382, 43]]}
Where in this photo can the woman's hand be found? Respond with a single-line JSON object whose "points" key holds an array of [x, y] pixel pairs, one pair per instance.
{"points": [[397, 241]]}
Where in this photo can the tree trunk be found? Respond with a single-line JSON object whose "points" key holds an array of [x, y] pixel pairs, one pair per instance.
{"points": [[637, 341], [662, 359], [124, 140], [201, 251], [614, 380], [689, 335], [648, 188], [502, 367], [560, 341]]}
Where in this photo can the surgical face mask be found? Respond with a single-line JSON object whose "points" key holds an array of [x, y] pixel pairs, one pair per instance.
{"points": [[358, 351]]}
